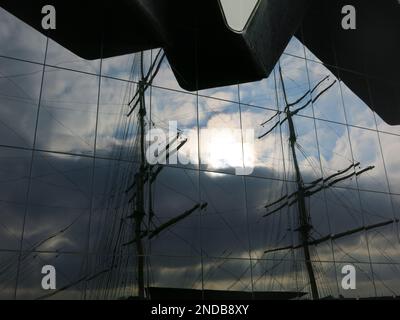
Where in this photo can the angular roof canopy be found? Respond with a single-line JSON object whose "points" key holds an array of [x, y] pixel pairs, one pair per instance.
{"points": [[205, 49], [372, 50]]}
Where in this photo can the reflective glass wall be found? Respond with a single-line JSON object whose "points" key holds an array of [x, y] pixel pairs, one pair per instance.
{"points": [[69, 155]]}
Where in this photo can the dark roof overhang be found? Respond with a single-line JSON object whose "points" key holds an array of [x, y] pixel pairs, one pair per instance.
{"points": [[204, 52], [371, 51]]}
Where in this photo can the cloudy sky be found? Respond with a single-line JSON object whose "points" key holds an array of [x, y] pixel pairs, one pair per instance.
{"points": [[238, 12], [72, 202]]}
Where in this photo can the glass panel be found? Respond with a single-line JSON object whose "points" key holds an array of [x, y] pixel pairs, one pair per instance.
{"points": [[115, 131], [68, 111], [228, 93], [262, 154], [111, 203], [344, 209], [58, 56], [120, 67], [387, 284], [358, 113], [224, 222], [21, 41], [14, 174], [261, 93], [8, 275], [396, 204], [294, 73], [328, 279], [118, 125], [384, 244], [172, 113], [227, 274], [176, 272], [175, 193], [364, 284], [389, 97], [390, 145], [295, 47], [335, 152], [311, 56], [367, 151], [59, 203], [68, 271], [306, 150], [320, 220], [352, 249], [19, 98], [329, 104], [220, 136], [11, 218], [165, 77], [377, 207], [127, 67], [384, 127], [277, 274], [267, 232]]}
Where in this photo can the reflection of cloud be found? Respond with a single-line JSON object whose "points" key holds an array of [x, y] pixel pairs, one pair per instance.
{"points": [[19, 39]]}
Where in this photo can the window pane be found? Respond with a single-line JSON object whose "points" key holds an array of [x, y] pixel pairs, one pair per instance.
{"points": [[68, 111], [19, 97], [19, 40]]}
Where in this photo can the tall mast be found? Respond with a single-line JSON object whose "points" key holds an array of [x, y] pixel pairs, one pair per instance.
{"points": [[298, 197], [304, 217], [139, 211], [148, 174]]}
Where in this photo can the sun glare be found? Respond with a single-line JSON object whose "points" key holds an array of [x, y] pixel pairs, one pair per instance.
{"points": [[222, 148]]}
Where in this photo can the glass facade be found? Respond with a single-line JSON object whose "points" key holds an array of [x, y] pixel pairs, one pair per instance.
{"points": [[69, 155]]}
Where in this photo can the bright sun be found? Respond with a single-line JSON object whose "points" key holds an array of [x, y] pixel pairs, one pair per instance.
{"points": [[222, 148]]}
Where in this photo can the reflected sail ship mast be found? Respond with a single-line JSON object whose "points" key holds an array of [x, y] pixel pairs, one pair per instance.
{"points": [[147, 174], [304, 191]]}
